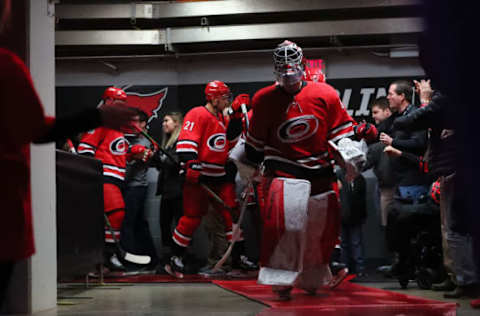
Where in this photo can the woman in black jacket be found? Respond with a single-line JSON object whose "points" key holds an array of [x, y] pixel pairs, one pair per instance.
{"points": [[169, 184]]}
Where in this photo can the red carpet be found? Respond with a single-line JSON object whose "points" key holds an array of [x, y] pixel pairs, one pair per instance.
{"points": [[348, 299]]}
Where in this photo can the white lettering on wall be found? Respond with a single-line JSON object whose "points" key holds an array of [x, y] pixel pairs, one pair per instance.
{"points": [[381, 92], [346, 99], [363, 110]]}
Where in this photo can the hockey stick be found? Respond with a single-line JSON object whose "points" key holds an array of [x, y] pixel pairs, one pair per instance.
{"points": [[138, 259], [245, 114], [236, 230], [205, 187]]}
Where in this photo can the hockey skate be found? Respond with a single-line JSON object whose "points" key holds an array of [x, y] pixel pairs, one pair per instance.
{"points": [[175, 267], [244, 264], [338, 278], [283, 292]]}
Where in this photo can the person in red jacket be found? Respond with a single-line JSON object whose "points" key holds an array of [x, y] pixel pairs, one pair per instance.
{"points": [[18, 98]]}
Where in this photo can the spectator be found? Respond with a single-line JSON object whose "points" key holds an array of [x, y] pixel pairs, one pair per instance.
{"points": [[135, 232], [354, 212], [169, 185], [18, 97], [380, 162], [457, 241], [411, 183]]}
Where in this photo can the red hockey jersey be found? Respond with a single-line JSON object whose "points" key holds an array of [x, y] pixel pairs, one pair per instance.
{"points": [[295, 130], [109, 146], [204, 135]]}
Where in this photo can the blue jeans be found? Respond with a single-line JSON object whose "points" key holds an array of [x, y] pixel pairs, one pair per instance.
{"points": [[352, 247], [412, 192]]}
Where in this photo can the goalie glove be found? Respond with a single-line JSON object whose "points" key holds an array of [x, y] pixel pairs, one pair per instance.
{"points": [[366, 131], [191, 171]]}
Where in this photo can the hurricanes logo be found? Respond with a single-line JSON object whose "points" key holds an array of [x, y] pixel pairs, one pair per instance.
{"points": [[119, 146], [217, 142], [298, 128]]}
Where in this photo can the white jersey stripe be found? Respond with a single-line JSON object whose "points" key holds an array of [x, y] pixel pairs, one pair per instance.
{"points": [[348, 124], [110, 174], [281, 159], [342, 136], [187, 142]]}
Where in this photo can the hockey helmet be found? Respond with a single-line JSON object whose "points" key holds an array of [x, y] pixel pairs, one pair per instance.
{"points": [[216, 89], [114, 93]]}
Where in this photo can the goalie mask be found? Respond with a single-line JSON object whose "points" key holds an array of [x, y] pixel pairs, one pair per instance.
{"points": [[288, 63]]}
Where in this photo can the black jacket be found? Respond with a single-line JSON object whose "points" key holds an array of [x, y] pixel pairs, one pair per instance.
{"points": [[169, 183], [381, 164], [409, 141], [437, 115]]}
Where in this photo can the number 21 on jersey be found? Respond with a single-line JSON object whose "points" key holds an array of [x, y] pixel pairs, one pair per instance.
{"points": [[189, 126]]}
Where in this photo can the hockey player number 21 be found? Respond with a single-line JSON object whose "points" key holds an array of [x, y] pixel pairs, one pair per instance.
{"points": [[188, 126]]}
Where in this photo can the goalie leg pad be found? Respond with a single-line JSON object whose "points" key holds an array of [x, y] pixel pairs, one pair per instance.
{"points": [[322, 231], [284, 219]]}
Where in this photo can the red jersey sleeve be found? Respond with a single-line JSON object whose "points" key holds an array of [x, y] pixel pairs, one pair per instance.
{"points": [[90, 141], [19, 101], [257, 130], [339, 122], [190, 136]]}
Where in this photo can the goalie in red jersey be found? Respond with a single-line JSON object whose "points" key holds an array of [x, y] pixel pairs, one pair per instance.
{"points": [[292, 123]]}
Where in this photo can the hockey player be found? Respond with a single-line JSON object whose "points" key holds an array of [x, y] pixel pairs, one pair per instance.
{"points": [[202, 149], [110, 146], [292, 122]]}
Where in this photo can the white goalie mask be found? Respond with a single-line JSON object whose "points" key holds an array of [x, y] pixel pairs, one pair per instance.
{"points": [[288, 63]]}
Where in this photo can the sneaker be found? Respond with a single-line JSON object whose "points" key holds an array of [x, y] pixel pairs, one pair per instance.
{"points": [[211, 273], [245, 264], [384, 269], [469, 290]]}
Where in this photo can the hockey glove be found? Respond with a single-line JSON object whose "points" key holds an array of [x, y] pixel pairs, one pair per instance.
{"points": [[236, 109], [191, 170], [366, 131], [139, 152]]}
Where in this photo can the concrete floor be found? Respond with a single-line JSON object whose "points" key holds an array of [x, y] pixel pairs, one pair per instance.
{"points": [[186, 299]]}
